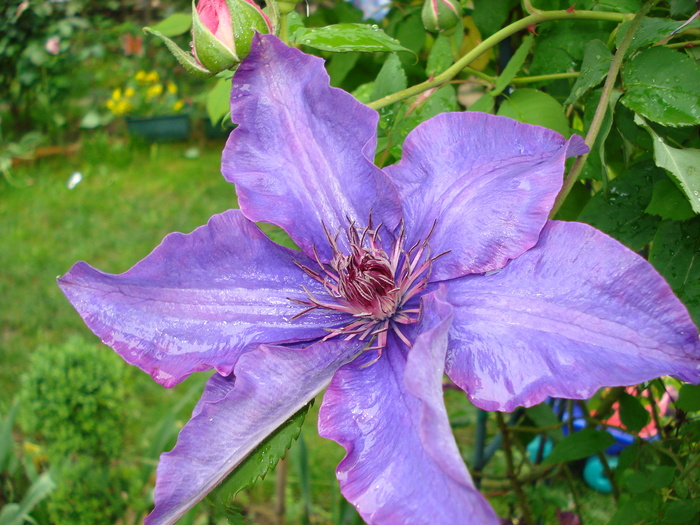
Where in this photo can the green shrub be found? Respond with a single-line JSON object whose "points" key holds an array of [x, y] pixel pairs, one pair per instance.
{"points": [[73, 400]]}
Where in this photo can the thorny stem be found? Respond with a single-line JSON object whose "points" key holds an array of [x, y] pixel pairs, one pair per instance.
{"points": [[510, 470], [515, 27], [602, 108]]}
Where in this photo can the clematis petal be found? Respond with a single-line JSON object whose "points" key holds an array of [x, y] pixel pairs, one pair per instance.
{"points": [[577, 312], [301, 156], [198, 300], [496, 175], [235, 415], [402, 463]]}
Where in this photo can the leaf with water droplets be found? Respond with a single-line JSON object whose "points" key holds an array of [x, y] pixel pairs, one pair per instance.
{"points": [[342, 38], [596, 62], [682, 164], [535, 107], [663, 86], [619, 212], [675, 253], [650, 30]]}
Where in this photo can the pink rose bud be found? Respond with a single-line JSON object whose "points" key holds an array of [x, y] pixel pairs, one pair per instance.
{"points": [[441, 16], [223, 30], [53, 45]]}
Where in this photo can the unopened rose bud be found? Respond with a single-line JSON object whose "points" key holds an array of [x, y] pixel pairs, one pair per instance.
{"points": [[222, 31], [441, 16]]}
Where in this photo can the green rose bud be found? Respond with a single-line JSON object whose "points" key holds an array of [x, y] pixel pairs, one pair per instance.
{"points": [[441, 16]]}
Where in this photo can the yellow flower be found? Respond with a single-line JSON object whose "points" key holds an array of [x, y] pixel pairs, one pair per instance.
{"points": [[117, 94], [140, 77], [154, 91], [178, 105], [129, 92], [172, 88], [152, 77]]}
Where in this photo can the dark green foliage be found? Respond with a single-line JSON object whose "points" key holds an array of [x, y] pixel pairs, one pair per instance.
{"points": [[73, 399]]}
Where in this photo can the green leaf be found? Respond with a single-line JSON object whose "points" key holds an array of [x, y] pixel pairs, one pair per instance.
{"points": [[682, 7], [632, 414], [340, 65], [689, 398], [490, 15], [544, 417], [682, 164], [514, 65], [175, 25], [668, 202], [596, 167], [6, 441], [663, 85], [681, 512], [579, 445], [675, 253], [620, 6], [485, 104], [342, 38], [619, 212], [219, 100], [19, 514], [440, 57], [535, 107], [265, 456], [560, 44], [650, 30], [596, 62], [391, 78], [662, 477]]}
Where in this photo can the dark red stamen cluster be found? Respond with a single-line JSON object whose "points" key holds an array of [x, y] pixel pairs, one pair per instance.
{"points": [[371, 285]]}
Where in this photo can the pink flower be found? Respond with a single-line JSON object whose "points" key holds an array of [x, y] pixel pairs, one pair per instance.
{"points": [[52, 45]]}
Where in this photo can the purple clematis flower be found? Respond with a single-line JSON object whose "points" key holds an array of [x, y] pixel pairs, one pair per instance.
{"points": [[444, 263]]}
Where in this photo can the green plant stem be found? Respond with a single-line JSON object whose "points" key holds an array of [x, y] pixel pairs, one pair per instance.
{"points": [[515, 27], [574, 493], [602, 107], [544, 78], [510, 471], [691, 43], [280, 490], [592, 422]]}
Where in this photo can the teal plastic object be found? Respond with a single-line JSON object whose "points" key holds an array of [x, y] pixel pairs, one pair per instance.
{"points": [[594, 474], [534, 446]]}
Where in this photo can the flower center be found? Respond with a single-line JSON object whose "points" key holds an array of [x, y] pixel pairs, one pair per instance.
{"points": [[371, 285]]}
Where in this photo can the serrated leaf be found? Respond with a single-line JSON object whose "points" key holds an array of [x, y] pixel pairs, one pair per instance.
{"points": [[560, 44], [619, 211], [682, 164], [668, 202], [663, 86], [535, 107], [513, 66], [175, 25], [650, 30], [341, 38], [632, 414], [689, 398], [391, 78], [675, 253], [265, 456], [185, 59], [595, 66], [579, 445]]}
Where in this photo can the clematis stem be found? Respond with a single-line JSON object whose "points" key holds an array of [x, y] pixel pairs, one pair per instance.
{"points": [[510, 470], [602, 108], [515, 27]]}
